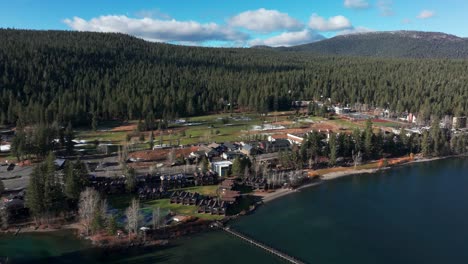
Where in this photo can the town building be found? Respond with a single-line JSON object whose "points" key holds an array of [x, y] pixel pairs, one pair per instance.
{"points": [[275, 146], [222, 168]]}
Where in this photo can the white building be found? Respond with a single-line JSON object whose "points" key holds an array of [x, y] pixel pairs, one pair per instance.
{"points": [[5, 148], [221, 167]]}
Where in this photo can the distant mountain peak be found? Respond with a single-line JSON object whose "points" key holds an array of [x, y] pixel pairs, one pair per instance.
{"points": [[395, 44], [407, 33]]}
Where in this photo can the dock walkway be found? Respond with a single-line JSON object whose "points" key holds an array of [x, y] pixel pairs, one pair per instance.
{"points": [[269, 249]]}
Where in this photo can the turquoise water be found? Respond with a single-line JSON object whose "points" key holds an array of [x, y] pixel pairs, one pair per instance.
{"points": [[411, 214]]}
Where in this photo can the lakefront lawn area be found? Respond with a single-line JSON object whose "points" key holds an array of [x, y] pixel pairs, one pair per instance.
{"points": [[190, 210], [209, 190], [121, 202]]}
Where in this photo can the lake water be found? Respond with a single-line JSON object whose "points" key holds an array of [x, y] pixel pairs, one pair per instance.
{"points": [[412, 214]]}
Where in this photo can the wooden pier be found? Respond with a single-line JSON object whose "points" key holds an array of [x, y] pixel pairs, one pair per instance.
{"points": [[269, 249]]}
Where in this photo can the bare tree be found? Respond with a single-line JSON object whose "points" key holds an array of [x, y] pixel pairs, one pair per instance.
{"points": [[4, 216], [257, 166], [153, 170], [246, 172], [357, 159], [171, 156], [88, 207], [123, 155], [156, 218], [265, 170], [133, 216], [103, 209]]}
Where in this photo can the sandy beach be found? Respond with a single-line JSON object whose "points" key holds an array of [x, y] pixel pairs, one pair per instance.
{"points": [[268, 197]]}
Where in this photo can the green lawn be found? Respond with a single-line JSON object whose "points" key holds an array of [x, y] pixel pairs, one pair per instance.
{"points": [[7, 156], [165, 205], [206, 131], [209, 190], [121, 202], [213, 129], [114, 136]]}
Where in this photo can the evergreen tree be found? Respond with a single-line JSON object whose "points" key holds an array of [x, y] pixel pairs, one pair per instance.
{"points": [[75, 179], [44, 196], [358, 142], [2, 187], [151, 140], [333, 149], [204, 164], [237, 167], [130, 179], [437, 138], [35, 194], [112, 225], [69, 136], [53, 194], [94, 122], [368, 140], [426, 144]]}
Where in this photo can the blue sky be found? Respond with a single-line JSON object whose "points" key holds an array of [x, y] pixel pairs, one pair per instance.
{"points": [[237, 23]]}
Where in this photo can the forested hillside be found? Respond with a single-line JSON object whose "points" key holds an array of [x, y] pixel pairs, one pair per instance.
{"points": [[48, 76], [397, 44]]}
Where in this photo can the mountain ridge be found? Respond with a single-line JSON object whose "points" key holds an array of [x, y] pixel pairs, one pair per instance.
{"points": [[393, 44]]}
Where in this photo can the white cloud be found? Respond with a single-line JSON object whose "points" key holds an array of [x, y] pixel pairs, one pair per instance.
{"points": [[355, 30], [385, 7], [356, 4], [158, 30], [289, 39], [331, 24], [426, 14], [264, 20]]}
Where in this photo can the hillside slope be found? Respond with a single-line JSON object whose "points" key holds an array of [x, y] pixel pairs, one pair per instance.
{"points": [[396, 44], [64, 76]]}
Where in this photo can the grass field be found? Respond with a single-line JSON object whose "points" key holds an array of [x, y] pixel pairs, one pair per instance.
{"points": [[116, 137], [190, 210], [346, 124], [121, 202], [212, 127], [203, 190], [217, 127]]}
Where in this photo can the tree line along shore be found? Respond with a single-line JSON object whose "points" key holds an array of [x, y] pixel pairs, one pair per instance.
{"points": [[70, 194]]}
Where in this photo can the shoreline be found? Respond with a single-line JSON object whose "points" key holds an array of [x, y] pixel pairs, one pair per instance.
{"points": [[339, 174], [266, 197], [32, 230]]}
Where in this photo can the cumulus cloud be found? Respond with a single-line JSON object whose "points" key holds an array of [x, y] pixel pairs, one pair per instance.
{"points": [[355, 30], [356, 4], [289, 39], [264, 20], [335, 23], [158, 30], [385, 7], [426, 14]]}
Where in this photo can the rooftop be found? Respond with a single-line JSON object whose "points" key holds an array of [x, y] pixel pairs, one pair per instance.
{"points": [[222, 163]]}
